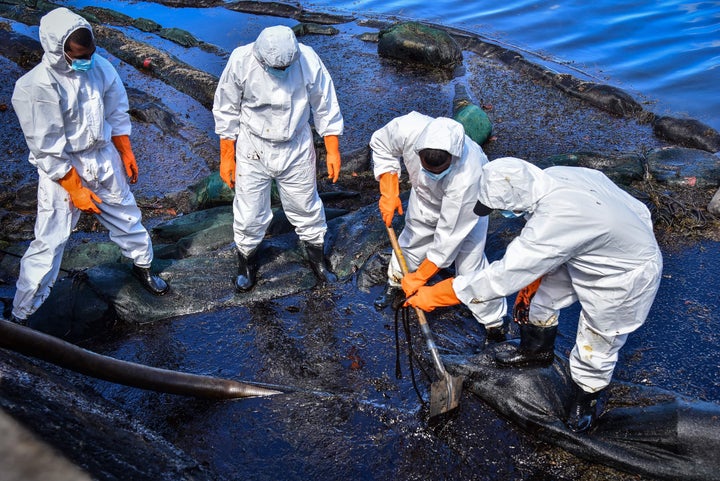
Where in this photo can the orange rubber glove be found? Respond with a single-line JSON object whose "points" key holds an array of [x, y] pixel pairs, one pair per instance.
{"points": [[227, 162], [81, 197], [428, 298], [389, 197], [332, 157], [521, 309], [413, 281], [122, 144]]}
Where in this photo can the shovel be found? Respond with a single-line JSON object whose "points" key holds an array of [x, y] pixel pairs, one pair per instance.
{"points": [[445, 392]]}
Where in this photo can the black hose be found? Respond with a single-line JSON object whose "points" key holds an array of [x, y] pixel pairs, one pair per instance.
{"points": [[405, 311], [51, 349]]}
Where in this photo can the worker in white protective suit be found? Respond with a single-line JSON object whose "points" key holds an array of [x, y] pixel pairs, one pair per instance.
{"points": [[444, 167], [73, 110], [262, 110], [587, 240]]}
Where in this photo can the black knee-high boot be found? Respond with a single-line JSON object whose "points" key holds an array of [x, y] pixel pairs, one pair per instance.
{"points": [[583, 410], [537, 347], [247, 269], [316, 256]]}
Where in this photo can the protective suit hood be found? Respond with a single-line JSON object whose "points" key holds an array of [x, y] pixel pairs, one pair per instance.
{"points": [[513, 184], [442, 133], [276, 47], [55, 27]]}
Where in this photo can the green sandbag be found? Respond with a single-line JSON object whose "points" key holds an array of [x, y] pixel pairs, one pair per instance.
{"points": [[476, 122]]}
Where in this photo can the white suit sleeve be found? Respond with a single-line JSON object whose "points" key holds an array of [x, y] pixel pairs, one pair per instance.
{"points": [[227, 101], [388, 145], [542, 246], [117, 107], [323, 100], [39, 112]]}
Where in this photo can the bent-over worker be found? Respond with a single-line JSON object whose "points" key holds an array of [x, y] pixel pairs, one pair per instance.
{"points": [[444, 166], [587, 240]]}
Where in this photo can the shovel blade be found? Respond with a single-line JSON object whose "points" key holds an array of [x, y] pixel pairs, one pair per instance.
{"points": [[445, 394]]}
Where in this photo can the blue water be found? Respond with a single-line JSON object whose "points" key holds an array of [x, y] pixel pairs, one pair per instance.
{"points": [[665, 53]]}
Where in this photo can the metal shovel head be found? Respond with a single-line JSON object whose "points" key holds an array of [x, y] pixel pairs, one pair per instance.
{"points": [[445, 394]]}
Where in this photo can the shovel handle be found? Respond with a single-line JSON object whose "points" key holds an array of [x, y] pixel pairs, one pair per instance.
{"points": [[420, 313], [398, 251]]}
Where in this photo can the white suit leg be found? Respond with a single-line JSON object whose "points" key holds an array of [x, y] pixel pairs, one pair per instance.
{"points": [[251, 207], [555, 292], [593, 359], [119, 212], [301, 202], [395, 274], [124, 221], [40, 265], [471, 258]]}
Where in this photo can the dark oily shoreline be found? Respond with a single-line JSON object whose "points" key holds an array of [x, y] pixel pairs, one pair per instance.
{"points": [[543, 120], [537, 114], [690, 171]]}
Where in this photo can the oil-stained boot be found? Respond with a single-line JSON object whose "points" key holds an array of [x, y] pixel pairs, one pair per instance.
{"points": [[496, 334], [150, 281], [390, 296], [583, 410], [247, 270], [7, 314], [537, 347], [316, 256]]}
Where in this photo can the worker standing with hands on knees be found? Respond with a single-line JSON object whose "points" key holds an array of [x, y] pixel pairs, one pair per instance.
{"points": [[262, 110], [585, 240], [444, 167], [73, 110]]}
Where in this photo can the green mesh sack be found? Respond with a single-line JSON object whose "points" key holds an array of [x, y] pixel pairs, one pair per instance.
{"points": [[476, 122]]}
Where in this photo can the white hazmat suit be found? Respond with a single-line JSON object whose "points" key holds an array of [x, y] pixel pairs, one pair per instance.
{"points": [[589, 240], [439, 224], [68, 119], [266, 110]]}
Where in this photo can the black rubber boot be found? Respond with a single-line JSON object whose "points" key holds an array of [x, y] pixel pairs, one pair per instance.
{"points": [[7, 315], [149, 281], [390, 296], [496, 334], [583, 410], [537, 347], [316, 256], [17, 320], [247, 270]]}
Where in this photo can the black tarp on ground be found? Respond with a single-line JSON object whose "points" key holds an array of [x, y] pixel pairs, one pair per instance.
{"points": [[643, 429]]}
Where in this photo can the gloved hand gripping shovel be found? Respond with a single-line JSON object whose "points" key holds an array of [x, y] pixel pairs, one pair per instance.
{"points": [[445, 392]]}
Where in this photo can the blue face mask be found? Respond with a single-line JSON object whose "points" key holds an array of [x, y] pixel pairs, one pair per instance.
{"points": [[509, 214], [81, 64], [439, 176], [276, 72]]}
